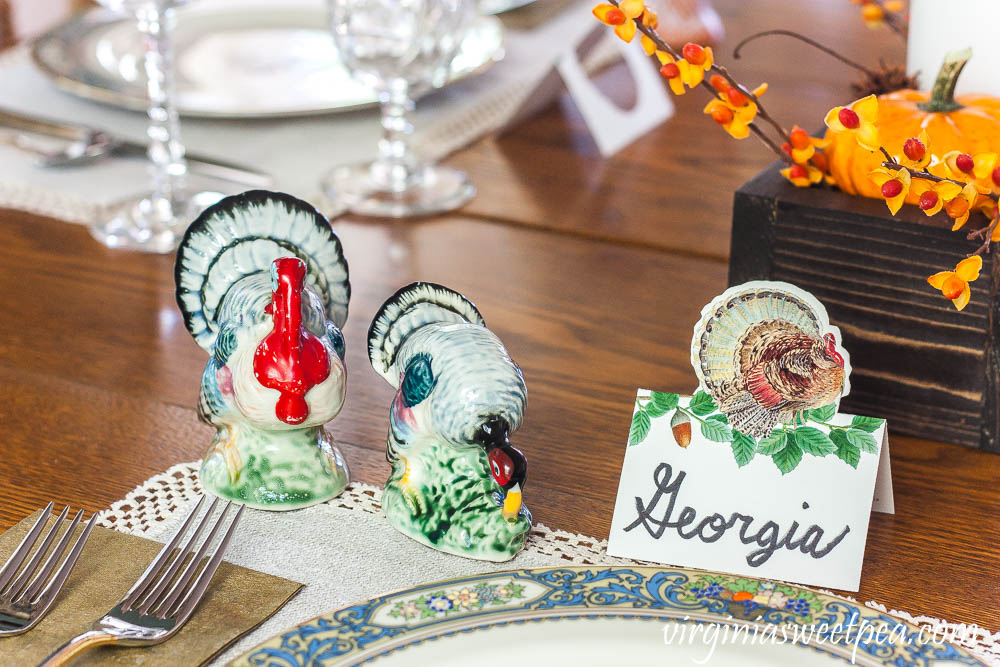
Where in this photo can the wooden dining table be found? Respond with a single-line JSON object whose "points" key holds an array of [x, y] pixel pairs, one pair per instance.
{"points": [[591, 270]]}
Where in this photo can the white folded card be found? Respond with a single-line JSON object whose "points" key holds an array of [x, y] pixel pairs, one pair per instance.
{"points": [[757, 473]]}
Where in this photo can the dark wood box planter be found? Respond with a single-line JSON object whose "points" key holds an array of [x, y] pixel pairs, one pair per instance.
{"points": [[930, 370]]}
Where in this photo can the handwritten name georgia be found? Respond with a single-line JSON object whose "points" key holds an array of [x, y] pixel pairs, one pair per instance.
{"points": [[711, 528]]}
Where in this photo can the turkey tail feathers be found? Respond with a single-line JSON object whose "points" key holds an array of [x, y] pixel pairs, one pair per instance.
{"points": [[241, 236], [724, 322], [406, 311], [747, 416]]}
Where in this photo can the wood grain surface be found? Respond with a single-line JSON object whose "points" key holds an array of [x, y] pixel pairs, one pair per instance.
{"points": [[591, 271]]}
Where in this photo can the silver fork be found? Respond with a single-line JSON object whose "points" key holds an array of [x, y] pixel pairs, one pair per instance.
{"points": [[164, 597], [23, 600]]}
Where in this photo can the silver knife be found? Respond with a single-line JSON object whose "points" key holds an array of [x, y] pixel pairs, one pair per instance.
{"points": [[201, 164]]}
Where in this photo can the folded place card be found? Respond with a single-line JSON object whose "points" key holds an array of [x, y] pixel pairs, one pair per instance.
{"points": [[757, 472]]}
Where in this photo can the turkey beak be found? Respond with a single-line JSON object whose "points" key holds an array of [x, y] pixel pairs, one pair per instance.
{"points": [[512, 503]]}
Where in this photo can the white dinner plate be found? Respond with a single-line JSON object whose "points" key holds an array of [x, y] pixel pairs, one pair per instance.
{"points": [[596, 615], [259, 60]]}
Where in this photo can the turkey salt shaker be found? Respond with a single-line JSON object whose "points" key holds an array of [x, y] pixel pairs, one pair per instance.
{"points": [[263, 287], [456, 481]]}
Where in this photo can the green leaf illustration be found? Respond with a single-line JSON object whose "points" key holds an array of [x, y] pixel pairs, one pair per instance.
{"points": [[870, 424], [716, 429], [846, 451], [814, 441], [823, 414], [664, 402], [640, 427], [654, 410], [788, 458], [743, 448], [701, 404], [772, 444], [862, 440]]}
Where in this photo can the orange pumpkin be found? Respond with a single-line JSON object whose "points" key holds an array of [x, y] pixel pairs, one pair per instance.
{"points": [[969, 123]]}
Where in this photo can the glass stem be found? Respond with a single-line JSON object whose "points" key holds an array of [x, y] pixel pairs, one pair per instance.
{"points": [[395, 167], [166, 152]]}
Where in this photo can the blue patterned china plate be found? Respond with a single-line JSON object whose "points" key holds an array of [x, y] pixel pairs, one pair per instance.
{"points": [[601, 615]]}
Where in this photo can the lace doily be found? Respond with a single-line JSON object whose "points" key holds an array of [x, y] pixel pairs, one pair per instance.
{"points": [[156, 502]]}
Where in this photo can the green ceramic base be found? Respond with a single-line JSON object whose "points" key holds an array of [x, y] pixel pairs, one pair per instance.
{"points": [[441, 496], [274, 470]]}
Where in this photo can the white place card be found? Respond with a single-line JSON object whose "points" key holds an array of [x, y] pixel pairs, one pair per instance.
{"points": [[757, 473], [729, 507]]}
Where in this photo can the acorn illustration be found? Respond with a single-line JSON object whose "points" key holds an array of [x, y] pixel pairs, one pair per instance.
{"points": [[680, 424]]}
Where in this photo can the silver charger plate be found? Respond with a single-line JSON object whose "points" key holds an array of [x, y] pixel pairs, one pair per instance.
{"points": [[261, 60]]}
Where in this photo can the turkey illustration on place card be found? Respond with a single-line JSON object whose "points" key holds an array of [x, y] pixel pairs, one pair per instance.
{"points": [[757, 472]]}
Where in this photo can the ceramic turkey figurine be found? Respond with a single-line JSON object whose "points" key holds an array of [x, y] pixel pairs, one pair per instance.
{"points": [[456, 480], [263, 286]]}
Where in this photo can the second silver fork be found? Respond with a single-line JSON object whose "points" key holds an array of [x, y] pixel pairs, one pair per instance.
{"points": [[165, 595]]}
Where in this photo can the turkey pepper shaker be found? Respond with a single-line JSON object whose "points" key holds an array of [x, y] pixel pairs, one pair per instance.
{"points": [[263, 287]]}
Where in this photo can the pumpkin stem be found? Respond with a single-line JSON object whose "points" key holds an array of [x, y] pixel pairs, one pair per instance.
{"points": [[943, 93], [811, 42]]}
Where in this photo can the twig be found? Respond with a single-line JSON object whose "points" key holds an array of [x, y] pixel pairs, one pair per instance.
{"points": [[811, 42], [892, 19], [987, 233]]}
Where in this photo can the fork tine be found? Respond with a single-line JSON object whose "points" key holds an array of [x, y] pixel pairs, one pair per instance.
{"points": [[165, 578], [186, 606], [14, 562], [21, 582], [54, 586], [149, 575], [18, 584], [182, 581]]}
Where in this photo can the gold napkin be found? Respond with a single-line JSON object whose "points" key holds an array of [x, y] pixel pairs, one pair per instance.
{"points": [[237, 601]]}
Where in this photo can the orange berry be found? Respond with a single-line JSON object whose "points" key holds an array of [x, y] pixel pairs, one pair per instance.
{"points": [[953, 287], [928, 200], [914, 149], [798, 171], [871, 12], [891, 188], [957, 207], [996, 176], [693, 53], [819, 159], [670, 70], [799, 138], [964, 162], [742, 595], [736, 97], [787, 147], [615, 17], [722, 115], [719, 82], [849, 119]]}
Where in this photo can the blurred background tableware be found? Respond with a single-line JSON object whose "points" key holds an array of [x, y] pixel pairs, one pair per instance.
{"points": [[166, 594], [56, 144], [153, 222], [247, 59], [26, 598], [400, 49]]}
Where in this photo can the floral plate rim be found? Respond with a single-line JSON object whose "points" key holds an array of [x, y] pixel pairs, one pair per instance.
{"points": [[368, 629]]}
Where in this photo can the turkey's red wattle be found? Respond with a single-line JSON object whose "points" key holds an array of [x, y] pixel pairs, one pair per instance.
{"points": [[290, 359]]}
